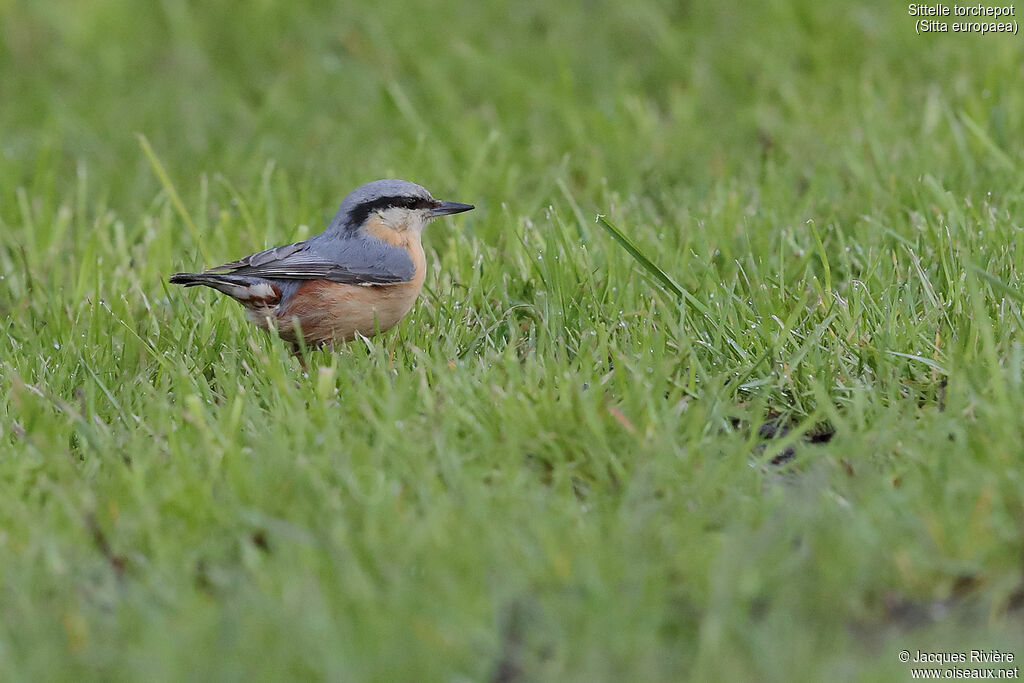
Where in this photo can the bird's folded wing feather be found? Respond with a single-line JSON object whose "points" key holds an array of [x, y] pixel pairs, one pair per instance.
{"points": [[352, 261]]}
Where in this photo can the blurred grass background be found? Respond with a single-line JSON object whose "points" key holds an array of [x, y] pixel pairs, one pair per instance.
{"points": [[551, 470]]}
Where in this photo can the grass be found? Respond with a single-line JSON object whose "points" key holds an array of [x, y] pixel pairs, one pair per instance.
{"points": [[552, 469]]}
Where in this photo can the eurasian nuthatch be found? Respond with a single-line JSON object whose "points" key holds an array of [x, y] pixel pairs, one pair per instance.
{"points": [[361, 275]]}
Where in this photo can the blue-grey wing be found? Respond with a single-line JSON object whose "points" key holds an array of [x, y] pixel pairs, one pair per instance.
{"points": [[354, 260]]}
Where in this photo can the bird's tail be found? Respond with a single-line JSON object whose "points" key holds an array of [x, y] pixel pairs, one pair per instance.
{"points": [[186, 279], [222, 282], [243, 288]]}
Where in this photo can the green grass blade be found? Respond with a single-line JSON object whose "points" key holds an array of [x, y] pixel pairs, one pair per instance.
{"points": [[172, 192], [646, 263]]}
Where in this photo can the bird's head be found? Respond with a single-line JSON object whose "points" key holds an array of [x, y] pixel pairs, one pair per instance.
{"points": [[391, 206]]}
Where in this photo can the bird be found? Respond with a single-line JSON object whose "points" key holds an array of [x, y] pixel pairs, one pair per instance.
{"points": [[358, 277]]}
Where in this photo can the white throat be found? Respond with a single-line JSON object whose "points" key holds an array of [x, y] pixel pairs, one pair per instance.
{"points": [[398, 218]]}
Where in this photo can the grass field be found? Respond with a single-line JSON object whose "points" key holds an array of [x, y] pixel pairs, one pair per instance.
{"points": [[556, 467]]}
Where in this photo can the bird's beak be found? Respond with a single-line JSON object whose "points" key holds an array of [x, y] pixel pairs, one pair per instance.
{"points": [[448, 208]]}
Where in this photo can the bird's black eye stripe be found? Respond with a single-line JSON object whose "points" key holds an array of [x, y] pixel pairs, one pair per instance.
{"points": [[359, 214]]}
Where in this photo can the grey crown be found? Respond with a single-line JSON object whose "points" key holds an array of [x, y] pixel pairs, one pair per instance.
{"points": [[372, 192]]}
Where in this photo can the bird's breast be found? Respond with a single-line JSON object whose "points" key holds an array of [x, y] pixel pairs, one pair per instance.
{"points": [[327, 311]]}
